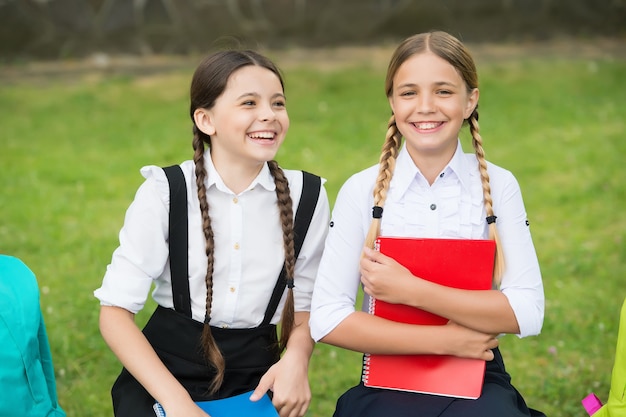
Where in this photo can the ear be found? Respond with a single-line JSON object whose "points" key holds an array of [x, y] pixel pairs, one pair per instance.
{"points": [[390, 98], [472, 102], [204, 122]]}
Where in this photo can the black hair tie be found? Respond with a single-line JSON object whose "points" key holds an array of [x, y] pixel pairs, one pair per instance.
{"points": [[491, 219], [377, 212], [290, 283]]}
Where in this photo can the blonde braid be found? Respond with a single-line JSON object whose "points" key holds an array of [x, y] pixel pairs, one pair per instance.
{"points": [[211, 350], [387, 164], [477, 142], [285, 205]]}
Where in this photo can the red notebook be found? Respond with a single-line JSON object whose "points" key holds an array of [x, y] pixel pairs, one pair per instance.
{"points": [[458, 263]]}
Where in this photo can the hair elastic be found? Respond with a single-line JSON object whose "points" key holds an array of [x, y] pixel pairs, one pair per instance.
{"points": [[377, 212], [290, 283], [491, 219]]}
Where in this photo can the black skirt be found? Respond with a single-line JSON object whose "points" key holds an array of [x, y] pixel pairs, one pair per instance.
{"points": [[248, 354], [498, 399]]}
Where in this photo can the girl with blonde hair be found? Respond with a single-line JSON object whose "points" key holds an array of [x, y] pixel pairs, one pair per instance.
{"points": [[429, 188]]}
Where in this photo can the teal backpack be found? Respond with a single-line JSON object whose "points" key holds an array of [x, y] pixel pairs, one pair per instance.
{"points": [[27, 381]]}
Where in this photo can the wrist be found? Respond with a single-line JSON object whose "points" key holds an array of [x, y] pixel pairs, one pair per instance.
{"points": [[414, 291], [175, 398], [297, 355]]}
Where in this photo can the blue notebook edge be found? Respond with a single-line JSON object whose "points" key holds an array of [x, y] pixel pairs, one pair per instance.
{"points": [[226, 407]]}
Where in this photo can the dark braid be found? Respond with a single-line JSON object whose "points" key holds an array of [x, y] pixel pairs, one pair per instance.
{"points": [[209, 81], [211, 350], [285, 206]]}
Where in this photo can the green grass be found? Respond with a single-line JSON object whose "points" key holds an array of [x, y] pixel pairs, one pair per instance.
{"points": [[71, 151]]}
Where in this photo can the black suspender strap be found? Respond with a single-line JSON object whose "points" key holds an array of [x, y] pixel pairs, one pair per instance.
{"points": [[310, 193], [179, 239]]}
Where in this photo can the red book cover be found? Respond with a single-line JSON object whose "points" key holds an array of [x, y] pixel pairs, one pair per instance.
{"points": [[459, 263]]}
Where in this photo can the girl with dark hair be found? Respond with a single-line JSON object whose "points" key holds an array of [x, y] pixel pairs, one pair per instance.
{"points": [[429, 188], [246, 264]]}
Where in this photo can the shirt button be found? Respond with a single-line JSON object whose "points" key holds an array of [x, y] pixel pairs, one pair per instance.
{"points": [[232, 289], [236, 246], [441, 175], [235, 200], [433, 206]]}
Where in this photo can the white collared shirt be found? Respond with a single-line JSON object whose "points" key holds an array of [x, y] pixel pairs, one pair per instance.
{"points": [[451, 208], [248, 248]]}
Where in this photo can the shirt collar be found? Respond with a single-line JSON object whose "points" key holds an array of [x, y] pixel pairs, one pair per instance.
{"points": [[406, 170], [459, 164], [264, 179]]}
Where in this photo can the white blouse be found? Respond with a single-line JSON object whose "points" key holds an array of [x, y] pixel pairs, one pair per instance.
{"points": [[248, 248], [451, 208]]}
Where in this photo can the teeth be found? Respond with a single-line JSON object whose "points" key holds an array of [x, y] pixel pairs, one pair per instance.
{"points": [[262, 135], [426, 126]]}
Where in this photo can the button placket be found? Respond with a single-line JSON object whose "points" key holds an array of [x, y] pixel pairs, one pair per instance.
{"points": [[234, 277]]}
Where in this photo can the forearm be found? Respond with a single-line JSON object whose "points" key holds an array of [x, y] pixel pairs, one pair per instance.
{"points": [[485, 311], [137, 355], [300, 342], [366, 333]]}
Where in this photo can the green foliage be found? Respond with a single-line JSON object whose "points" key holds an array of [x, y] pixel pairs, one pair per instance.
{"points": [[71, 151]]}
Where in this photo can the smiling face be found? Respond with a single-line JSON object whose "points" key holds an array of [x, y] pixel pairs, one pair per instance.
{"points": [[430, 101], [249, 121]]}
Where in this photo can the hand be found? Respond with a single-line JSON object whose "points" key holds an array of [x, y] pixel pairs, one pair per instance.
{"points": [[470, 343], [288, 379], [385, 279]]}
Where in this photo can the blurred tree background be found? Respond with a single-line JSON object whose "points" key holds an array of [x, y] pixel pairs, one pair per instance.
{"points": [[53, 29]]}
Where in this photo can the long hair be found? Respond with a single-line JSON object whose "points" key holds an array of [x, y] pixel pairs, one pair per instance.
{"points": [[454, 52], [208, 83]]}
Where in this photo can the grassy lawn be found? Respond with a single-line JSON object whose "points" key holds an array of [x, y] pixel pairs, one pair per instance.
{"points": [[72, 148]]}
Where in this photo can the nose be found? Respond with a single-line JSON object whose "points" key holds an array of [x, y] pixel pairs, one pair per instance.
{"points": [[425, 103], [266, 113]]}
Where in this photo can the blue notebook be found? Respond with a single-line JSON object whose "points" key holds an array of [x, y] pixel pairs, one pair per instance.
{"points": [[237, 406]]}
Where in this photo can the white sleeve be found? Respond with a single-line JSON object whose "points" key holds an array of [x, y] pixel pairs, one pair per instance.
{"points": [[521, 283], [338, 278], [142, 254]]}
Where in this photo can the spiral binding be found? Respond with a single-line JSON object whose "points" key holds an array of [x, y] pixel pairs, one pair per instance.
{"points": [[366, 357], [371, 307], [365, 373], [158, 410]]}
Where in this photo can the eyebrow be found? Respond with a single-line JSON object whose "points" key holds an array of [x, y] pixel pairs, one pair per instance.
{"points": [[280, 95], [438, 84]]}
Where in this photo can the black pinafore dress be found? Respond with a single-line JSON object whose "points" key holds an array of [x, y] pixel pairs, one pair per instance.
{"points": [[175, 336]]}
